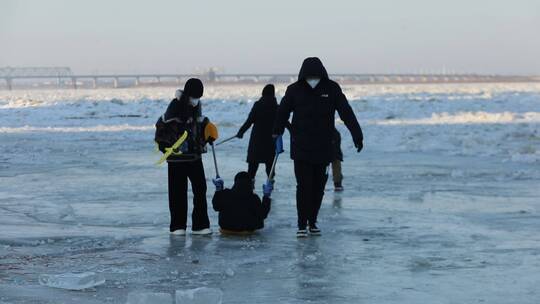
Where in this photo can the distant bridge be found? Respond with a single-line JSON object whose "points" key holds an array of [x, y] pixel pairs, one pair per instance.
{"points": [[63, 74]]}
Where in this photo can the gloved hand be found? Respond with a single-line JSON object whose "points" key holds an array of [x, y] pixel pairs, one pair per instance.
{"points": [[161, 147], [268, 187], [218, 182], [239, 135], [359, 144]]}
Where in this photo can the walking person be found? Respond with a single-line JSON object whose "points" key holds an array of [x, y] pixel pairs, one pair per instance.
{"points": [[337, 158], [313, 99], [184, 115], [261, 148]]}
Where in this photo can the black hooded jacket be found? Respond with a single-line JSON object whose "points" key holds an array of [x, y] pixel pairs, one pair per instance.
{"points": [[262, 116], [239, 208], [180, 116], [313, 121]]}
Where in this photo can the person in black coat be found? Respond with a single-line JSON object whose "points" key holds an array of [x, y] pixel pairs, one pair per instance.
{"points": [[337, 176], [241, 210], [261, 148], [184, 114], [313, 100]]}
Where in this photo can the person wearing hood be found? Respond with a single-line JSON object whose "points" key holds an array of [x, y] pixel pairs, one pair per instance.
{"points": [[261, 148], [337, 176], [240, 209], [184, 115], [313, 99]]}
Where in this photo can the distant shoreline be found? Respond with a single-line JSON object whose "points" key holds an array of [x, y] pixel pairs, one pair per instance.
{"points": [[393, 80]]}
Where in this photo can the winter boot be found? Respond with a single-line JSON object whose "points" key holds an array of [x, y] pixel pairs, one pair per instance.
{"points": [[314, 230], [179, 232], [301, 233]]}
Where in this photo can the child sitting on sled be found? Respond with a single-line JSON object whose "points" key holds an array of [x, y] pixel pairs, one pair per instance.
{"points": [[240, 209]]}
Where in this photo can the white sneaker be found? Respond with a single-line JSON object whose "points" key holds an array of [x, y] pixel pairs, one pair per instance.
{"points": [[205, 231], [301, 233], [179, 232]]}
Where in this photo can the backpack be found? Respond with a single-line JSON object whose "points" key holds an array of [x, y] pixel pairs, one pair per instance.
{"points": [[168, 132]]}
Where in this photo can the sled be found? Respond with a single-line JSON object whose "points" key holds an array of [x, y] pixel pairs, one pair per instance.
{"points": [[236, 233]]}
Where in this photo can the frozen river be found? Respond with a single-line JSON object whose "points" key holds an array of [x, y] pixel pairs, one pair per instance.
{"points": [[442, 206]]}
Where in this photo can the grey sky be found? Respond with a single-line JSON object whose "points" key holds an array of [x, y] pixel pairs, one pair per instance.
{"points": [[486, 36]]}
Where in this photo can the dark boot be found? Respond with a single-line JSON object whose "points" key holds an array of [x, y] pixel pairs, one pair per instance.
{"points": [[314, 230]]}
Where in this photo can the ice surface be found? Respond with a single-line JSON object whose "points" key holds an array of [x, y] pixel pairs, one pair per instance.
{"points": [[201, 295], [72, 281], [149, 298], [442, 206], [465, 119]]}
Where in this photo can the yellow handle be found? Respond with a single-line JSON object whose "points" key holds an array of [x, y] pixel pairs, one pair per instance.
{"points": [[170, 151]]}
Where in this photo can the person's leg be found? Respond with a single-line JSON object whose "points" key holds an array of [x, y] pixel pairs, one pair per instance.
{"points": [[199, 217], [304, 185], [336, 173], [320, 176], [252, 170], [177, 182]]}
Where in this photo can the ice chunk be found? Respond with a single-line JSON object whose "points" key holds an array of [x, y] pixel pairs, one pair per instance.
{"points": [[229, 272], [72, 281], [149, 298], [202, 295]]}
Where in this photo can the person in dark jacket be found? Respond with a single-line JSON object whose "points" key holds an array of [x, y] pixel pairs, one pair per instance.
{"points": [[261, 148], [313, 100], [184, 114], [240, 210], [337, 158]]}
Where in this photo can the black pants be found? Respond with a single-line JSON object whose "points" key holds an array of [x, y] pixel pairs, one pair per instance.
{"points": [[179, 173], [310, 182], [336, 172], [253, 167]]}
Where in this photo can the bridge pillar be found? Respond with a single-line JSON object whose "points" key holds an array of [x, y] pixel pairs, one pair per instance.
{"points": [[9, 83], [115, 82], [74, 82], [212, 75], [137, 81], [158, 79], [94, 82]]}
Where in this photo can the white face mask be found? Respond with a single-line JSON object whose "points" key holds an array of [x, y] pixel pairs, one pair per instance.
{"points": [[194, 101], [313, 82]]}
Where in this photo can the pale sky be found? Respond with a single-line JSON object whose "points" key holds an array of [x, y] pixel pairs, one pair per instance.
{"points": [[356, 36]]}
